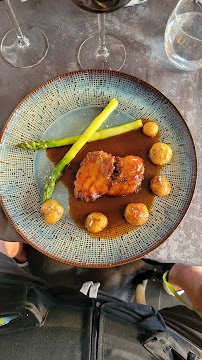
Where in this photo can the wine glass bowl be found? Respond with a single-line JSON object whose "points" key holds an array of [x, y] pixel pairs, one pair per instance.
{"points": [[101, 51], [97, 6]]}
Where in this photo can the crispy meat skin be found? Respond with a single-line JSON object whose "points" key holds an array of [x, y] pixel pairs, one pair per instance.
{"points": [[128, 175], [101, 173], [94, 176]]}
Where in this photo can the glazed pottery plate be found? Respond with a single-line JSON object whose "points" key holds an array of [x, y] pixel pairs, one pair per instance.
{"points": [[65, 106]]}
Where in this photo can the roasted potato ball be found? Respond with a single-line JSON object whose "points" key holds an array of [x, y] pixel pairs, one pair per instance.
{"points": [[160, 153], [136, 214], [160, 185], [96, 222], [150, 128], [52, 211]]}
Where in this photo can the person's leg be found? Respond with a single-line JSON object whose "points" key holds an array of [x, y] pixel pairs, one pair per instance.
{"points": [[3, 249], [179, 318], [188, 278], [14, 250]]}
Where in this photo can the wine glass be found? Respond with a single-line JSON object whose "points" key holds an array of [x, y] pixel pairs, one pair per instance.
{"points": [[23, 46], [101, 51], [183, 35]]}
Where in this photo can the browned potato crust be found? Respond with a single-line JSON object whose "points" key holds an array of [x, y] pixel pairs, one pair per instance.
{"points": [[150, 128], [52, 211], [160, 185], [96, 222], [136, 214], [160, 153]]}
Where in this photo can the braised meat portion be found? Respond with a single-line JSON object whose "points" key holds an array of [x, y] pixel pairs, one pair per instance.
{"points": [[128, 175], [94, 176], [101, 173]]}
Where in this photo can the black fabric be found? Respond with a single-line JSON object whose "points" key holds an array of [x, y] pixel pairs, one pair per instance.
{"points": [[184, 321], [134, 331], [65, 324], [63, 333], [65, 327], [12, 298], [12, 274]]}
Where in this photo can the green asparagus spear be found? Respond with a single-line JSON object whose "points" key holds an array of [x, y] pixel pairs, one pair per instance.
{"points": [[99, 135], [76, 147]]}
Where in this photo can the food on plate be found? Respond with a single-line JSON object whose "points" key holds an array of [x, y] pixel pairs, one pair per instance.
{"points": [[160, 185], [98, 135], [52, 211], [112, 207], [150, 128], [101, 173], [76, 147], [136, 214], [128, 175], [96, 222], [160, 153], [94, 175]]}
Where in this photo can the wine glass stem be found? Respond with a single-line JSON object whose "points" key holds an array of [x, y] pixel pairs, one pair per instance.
{"points": [[22, 40], [102, 51]]}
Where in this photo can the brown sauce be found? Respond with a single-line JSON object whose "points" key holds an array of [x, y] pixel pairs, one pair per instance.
{"points": [[131, 143]]}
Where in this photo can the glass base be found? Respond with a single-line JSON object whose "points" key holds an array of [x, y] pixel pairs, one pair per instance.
{"points": [[183, 64], [27, 54], [89, 60]]}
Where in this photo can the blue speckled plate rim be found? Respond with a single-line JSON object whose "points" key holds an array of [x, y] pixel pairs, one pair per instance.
{"points": [[133, 79]]}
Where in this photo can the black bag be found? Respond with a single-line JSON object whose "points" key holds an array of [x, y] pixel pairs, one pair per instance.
{"points": [[65, 324]]}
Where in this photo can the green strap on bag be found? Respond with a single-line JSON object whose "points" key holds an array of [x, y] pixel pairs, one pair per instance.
{"points": [[171, 288]]}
